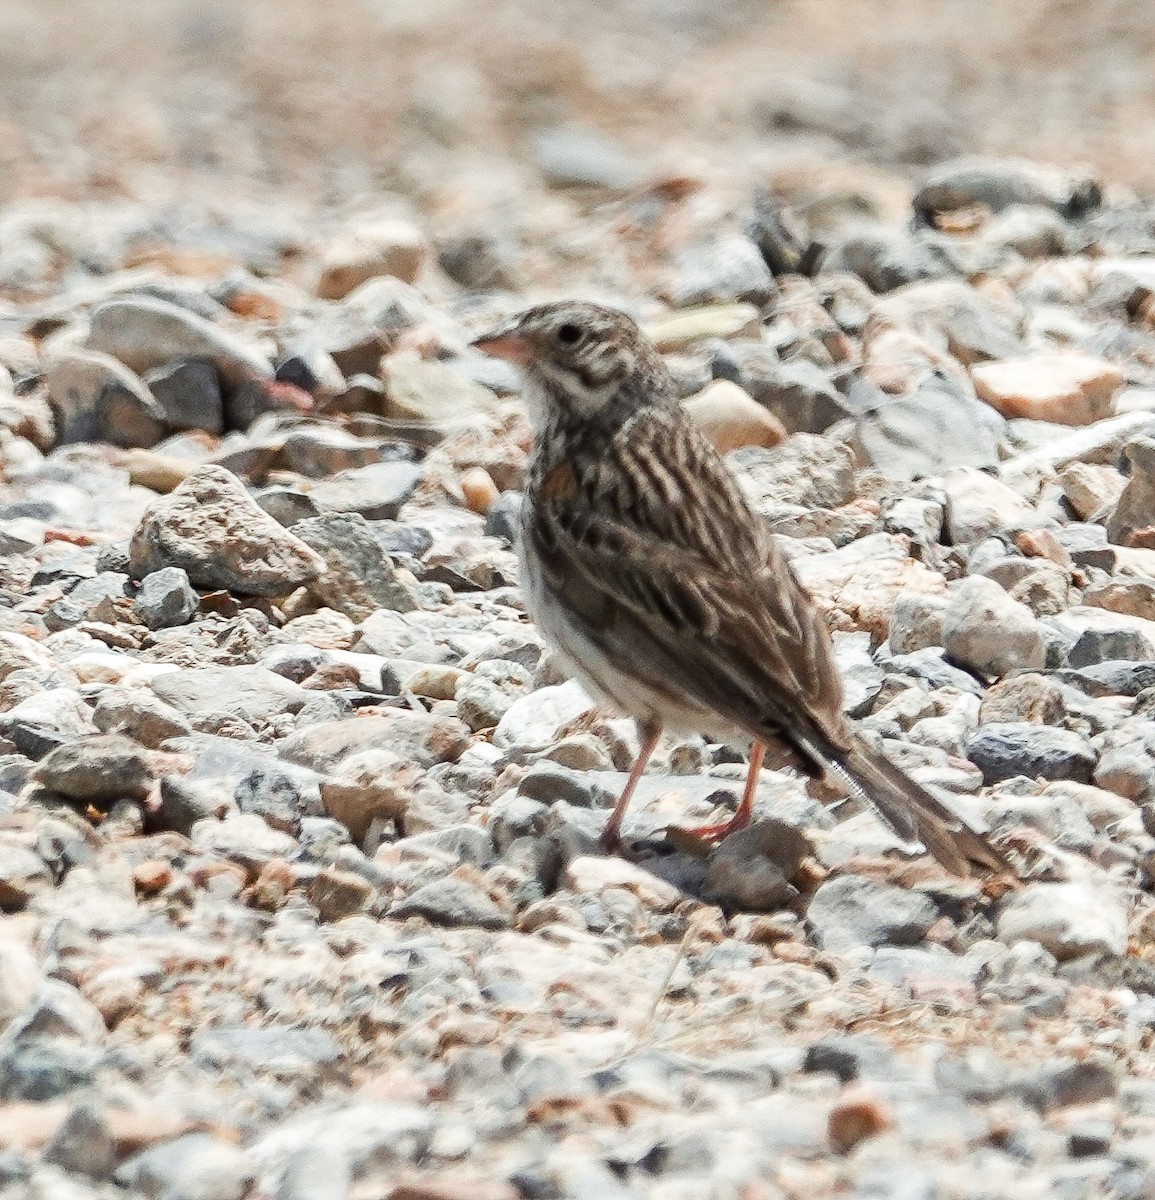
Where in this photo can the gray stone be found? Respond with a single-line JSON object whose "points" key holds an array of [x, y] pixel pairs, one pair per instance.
{"points": [[577, 156], [453, 901], [719, 271], [97, 770], [183, 803], [196, 1166], [144, 333], [1104, 644], [1000, 183], [851, 911], [987, 631], [189, 392], [376, 491], [315, 1172], [20, 978], [978, 504], [422, 739], [96, 398], [973, 326], [1067, 919], [1114, 678], [252, 693], [40, 1069], [1004, 749], [282, 796], [916, 622], [806, 469], [359, 577], [935, 428], [798, 392], [267, 1047], [166, 599], [885, 259], [213, 529], [83, 1144]]}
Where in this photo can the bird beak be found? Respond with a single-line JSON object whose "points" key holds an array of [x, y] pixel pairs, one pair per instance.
{"points": [[508, 343]]}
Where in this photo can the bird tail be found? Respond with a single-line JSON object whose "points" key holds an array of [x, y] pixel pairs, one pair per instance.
{"points": [[912, 811]]}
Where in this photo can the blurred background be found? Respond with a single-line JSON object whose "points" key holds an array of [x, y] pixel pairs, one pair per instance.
{"points": [[331, 100]]}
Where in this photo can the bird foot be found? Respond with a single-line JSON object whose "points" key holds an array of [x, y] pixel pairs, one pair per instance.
{"points": [[714, 833]]}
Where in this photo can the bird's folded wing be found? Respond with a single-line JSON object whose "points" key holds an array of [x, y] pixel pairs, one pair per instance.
{"points": [[679, 580]]}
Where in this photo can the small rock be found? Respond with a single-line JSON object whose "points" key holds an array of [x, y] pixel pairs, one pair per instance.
{"points": [[96, 398], [808, 470], [1067, 919], [589, 875], [212, 528], [1132, 522], [1091, 487], [453, 901], [1031, 698], [23, 875], [84, 1143], [798, 392], [337, 894], [577, 156], [689, 326], [20, 977], [886, 259], [1000, 183], [97, 770], [373, 248], [166, 599], [252, 693], [197, 1166], [987, 631], [421, 738], [731, 419], [751, 870], [145, 333], [532, 722], [359, 577], [371, 785], [916, 621], [430, 392], [937, 427], [858, 1114], [1004, 749], [1067, 389], [978, 505], [189, 394], [851, 911], [724, 270]]}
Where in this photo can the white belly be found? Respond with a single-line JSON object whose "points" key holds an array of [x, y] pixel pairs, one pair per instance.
{"points": [[582, 658]]}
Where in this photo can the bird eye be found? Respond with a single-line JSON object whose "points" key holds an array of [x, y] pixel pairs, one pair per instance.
{"points": [[569, 335]]}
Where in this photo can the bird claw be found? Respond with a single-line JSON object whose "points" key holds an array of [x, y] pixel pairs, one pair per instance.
{"points": [[713, 834]]}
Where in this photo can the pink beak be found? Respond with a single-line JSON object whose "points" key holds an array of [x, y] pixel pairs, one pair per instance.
{"points": [[507, 343]]}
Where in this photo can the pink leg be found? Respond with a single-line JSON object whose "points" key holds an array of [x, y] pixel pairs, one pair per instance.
{"points": [[744, 811], [611, 839]]}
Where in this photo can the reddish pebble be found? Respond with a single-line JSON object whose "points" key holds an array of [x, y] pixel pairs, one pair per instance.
{"points": [[858, 1114], [151, 876], [479, 490]]}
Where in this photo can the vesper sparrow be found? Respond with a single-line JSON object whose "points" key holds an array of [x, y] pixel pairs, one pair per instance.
{"points": [[646, 569]]}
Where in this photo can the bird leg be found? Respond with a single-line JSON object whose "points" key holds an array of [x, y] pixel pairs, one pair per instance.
{"points": [[744, 811], [611, 838]]}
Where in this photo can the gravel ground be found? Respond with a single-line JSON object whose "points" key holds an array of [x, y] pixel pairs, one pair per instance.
{"points": [[300, 895]]}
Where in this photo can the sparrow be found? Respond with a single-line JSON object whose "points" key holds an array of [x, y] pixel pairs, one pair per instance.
{"points": [[662, 590]]}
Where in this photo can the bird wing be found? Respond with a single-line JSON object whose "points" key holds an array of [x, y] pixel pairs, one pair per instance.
{"points": [[656, 550]]}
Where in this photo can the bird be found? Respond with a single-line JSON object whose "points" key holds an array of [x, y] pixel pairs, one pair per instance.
{"points": [[665, 594]]}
